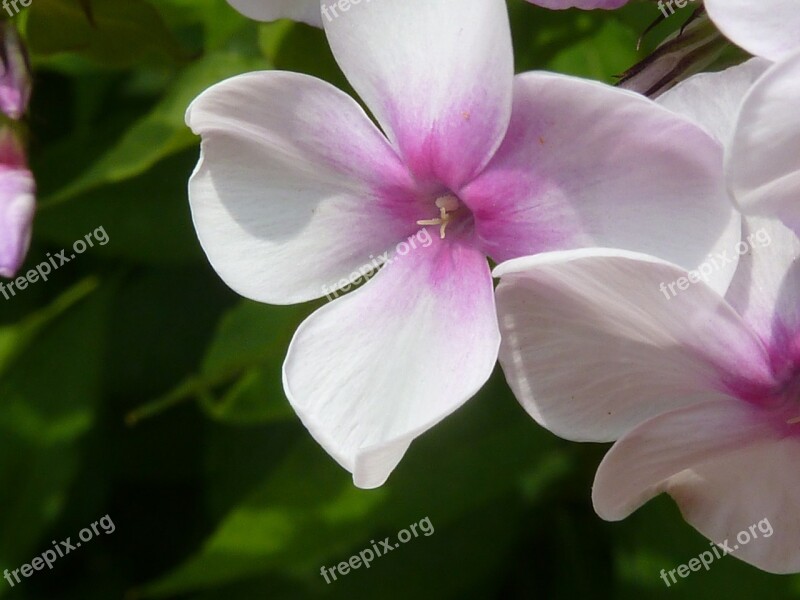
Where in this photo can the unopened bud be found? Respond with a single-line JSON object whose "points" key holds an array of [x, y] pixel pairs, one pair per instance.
{"points": [[17, 203], [15, 72]]}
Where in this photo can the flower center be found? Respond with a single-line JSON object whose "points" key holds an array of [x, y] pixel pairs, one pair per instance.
{"points": [[447, 205]]}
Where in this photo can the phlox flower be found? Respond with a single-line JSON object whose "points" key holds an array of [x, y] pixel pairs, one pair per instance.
{"points": [[312, 11], [701, 392], [297, 188]]}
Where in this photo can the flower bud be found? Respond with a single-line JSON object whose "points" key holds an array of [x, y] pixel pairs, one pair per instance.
{"points": [[17, 203], [15, 72]]}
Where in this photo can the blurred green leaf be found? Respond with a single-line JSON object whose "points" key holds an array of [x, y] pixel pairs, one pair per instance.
{"points": [[308, 513], [162, 132], [113, 33], [47, 404]]}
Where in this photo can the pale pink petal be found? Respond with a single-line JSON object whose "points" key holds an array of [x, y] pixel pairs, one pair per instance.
{"points": [[713, 100], [437, 75], [17, 204], [764, 163], [307, 11], [765, 28], [766, 288], [755, 490], [585, 164], [643, 463], [597, 341], [584, 4], [371, 371], [296, 187]]}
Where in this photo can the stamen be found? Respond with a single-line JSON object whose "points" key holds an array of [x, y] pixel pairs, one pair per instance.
{"points": [[794, 421], [446, 205]]}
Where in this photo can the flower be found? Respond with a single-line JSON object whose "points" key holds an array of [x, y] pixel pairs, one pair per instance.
{"points": [[17, 204], [584, 4], [312, 11], [297, 188], [766, 28], [15, 72], [702, 393], [307, 11]]}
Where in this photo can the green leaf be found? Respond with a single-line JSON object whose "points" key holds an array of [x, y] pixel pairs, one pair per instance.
{"points": [[308, 513], [46, 406], [113, 33], [162, 132]]}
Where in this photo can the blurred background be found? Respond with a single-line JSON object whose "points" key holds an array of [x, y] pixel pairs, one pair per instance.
{"points": [[134, 384]]}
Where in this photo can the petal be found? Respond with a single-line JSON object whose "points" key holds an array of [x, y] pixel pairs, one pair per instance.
{"points": [[585, 164], [17, 206], [757, 486], [765, 28], [307, 11], [597, 341], [437, 75], [584, 4], [295, 188], [763, 165], [642, 464], [713, 100], [371, 371], [765, 288]]}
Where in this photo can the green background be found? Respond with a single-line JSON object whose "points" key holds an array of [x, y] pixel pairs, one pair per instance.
{"points": [[135, 384]]}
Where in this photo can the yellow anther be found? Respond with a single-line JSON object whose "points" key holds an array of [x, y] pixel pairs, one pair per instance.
{"points": [[446, 205]]}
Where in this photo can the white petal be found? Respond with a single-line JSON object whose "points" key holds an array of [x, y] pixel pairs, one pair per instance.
{"points": [[585, 164], [371, 371], [756, 491], [713, 100], [765, 28], [307, 11], [642, 464], [766, 287], [437, 74], [595, 341], [764, 163], [295, 189]]}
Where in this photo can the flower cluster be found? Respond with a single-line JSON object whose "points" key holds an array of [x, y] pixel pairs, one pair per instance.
{"points": [[586, 197]]}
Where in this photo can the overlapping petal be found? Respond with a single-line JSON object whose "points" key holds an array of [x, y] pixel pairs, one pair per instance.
{"points": [[296, 188], [765, 28], [584, 4], [596, 341], [585, 164], [643, 463], [371, 371], [307, 11], [766, 288], [437, 75], [755, 490], [714, 100], [763, 165]]}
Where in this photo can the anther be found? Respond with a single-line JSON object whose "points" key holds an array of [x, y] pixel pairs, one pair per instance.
{"points": [[446, 205]]}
